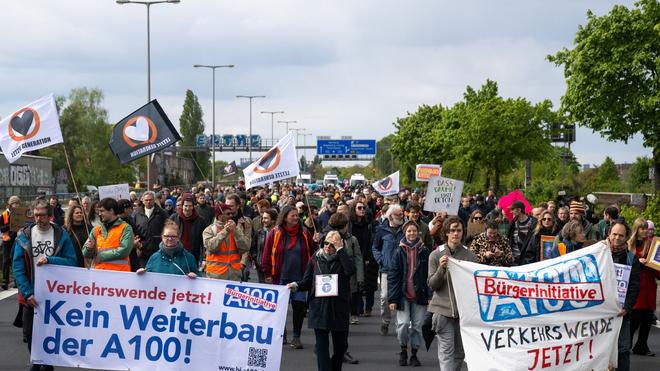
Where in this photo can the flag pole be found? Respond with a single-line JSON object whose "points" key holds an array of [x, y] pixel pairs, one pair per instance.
{"points": [[309, 209], [75, 187]]}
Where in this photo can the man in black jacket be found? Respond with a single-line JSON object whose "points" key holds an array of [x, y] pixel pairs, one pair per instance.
{"points": [[149, 222], [522, 228], [191, 227], [618, 235]]}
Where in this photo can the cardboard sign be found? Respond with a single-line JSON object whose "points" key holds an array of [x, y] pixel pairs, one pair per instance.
{"points": [[475, 228], [653, 255], [424, 172], [19, 216], [116, 191], [443, 194], [547, 248], [326, 285]]}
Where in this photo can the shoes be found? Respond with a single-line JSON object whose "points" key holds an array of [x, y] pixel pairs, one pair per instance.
{"points": [[367, 314], [414, 361], [384, 329], [5, 286], [403, 357], [354, 320], [648, 354], [348, 358], [296, 344]]}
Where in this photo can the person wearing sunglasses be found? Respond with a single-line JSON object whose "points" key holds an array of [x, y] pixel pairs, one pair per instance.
{"points": [[363, 231], [547, 226], [329, 313]]}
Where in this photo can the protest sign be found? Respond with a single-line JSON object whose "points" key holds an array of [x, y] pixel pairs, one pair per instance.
{"points": [[229, 169], [387, 186], [120, 321], [622, 272], [443, 194], [653, 255], [424, 172], [19, 216], [558, 314], [116, 191]]}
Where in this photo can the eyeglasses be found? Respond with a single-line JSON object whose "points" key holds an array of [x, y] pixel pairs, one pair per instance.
{"points": [[477, 218], [359, 208], [326, 243], [547, 219], [168, 237]]}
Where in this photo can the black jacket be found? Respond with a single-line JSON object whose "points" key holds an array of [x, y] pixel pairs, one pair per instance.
{"points": [[522, 247], [196, 229], [149, 230], [531, 251], [58, 214], [329, 313], [363, 231], [257, 246], [396, 278]]}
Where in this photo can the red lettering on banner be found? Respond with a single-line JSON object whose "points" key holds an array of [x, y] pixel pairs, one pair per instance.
{"points": [[553, 356]]}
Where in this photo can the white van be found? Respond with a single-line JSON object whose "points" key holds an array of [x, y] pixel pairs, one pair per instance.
{"points": [[330, 179], [357, 180], [304, 179]]}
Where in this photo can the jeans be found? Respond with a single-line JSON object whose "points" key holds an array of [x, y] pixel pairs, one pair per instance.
{"points": [[641, 319], [356, 304], [409, 321], [624, 345], [450, 344], [323, 360], [385, 314]]}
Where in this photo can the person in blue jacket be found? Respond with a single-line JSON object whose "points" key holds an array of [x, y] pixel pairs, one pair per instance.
{"points": [[171, 257], [386, 242], [40, 243]]}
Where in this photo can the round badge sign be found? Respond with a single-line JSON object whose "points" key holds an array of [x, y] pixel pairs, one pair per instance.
{"points": [[24, 124], [139, 130], [385, 184], [268, 162], [326, 287]]}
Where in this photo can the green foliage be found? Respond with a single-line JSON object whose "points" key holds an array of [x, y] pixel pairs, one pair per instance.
{"points": [[191, 124], [638, 179], [386, 161], [86, 132], [612, 75]]}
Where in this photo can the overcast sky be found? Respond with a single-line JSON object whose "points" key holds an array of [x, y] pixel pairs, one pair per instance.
{"points": [[340, 67]]}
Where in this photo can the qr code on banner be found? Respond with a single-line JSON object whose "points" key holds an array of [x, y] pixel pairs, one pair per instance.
{"points": [[258, 357]]}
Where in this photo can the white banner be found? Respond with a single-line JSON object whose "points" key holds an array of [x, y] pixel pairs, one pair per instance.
{"points": [[443, 194], [387, 186], [558, 314], [32, 127], [116, 191], [279, 163], [120, 321], [622, 273]]}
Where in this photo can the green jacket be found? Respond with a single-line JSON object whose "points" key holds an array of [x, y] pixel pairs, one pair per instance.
{"points": [[178, 261]]}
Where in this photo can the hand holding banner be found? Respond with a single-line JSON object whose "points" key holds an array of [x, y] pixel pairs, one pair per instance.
{"points": [[559, 313]]}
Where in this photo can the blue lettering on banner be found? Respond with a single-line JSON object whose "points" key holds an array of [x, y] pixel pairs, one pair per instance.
{"points": [[247, 297], [564, 286]]}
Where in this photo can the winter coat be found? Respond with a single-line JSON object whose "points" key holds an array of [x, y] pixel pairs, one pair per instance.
{"points": [[78, 234], [524, 243], [647, 285], [258, 243], [149, 229], [329, 313], [480, 245], [439, 280], [206, 212], [633, 281], [177, 261], [532, 251], [386, 241], [23, 260], [396, 278], [363, 231], [197, 226], [353, 249], [57, 214]]}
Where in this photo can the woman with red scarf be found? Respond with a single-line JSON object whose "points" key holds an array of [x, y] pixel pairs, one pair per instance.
{"points": [[286, 253]]}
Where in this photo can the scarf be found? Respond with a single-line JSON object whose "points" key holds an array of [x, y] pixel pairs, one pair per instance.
{"points": [[325, 256], [293, 235], [405, 244]]}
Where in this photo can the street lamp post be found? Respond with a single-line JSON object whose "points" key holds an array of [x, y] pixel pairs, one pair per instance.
{"points": [[250, 97], [287, 124], [272, 132], [213, 67], [148, 4]]}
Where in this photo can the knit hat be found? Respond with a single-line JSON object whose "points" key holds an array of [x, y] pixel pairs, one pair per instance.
{"points": [[14, 200], [169, 202], [577, 206]]}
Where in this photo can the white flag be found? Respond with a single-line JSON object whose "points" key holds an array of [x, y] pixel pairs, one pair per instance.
{"points": [[280, 162], [32, 127], [387, 186]]}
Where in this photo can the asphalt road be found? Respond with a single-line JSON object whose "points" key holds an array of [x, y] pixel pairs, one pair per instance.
{"points": [[375, 352]]}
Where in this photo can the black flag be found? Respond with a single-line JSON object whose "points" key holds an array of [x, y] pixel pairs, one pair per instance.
{"points": [[229, 169], [145, 131]]}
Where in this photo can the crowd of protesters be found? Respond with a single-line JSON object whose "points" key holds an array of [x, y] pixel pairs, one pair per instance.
{"points": [[376, 245]]}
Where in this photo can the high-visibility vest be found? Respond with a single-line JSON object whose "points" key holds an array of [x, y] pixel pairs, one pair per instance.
{"points": [[111, 241], [227, 256], [5, 221], [276, 241]]}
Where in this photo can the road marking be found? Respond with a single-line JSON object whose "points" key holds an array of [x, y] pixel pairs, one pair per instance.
{"points": [[8, 293]]}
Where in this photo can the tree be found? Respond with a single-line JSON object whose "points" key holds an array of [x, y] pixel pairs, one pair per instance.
{"points": [[191, 125], [638, 179], [384, 162], [612, 81], [86, 132]]}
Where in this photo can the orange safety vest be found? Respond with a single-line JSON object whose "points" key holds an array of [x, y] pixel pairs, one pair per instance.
{"points": [[5, 221], [112, 241], [218, 263]]}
